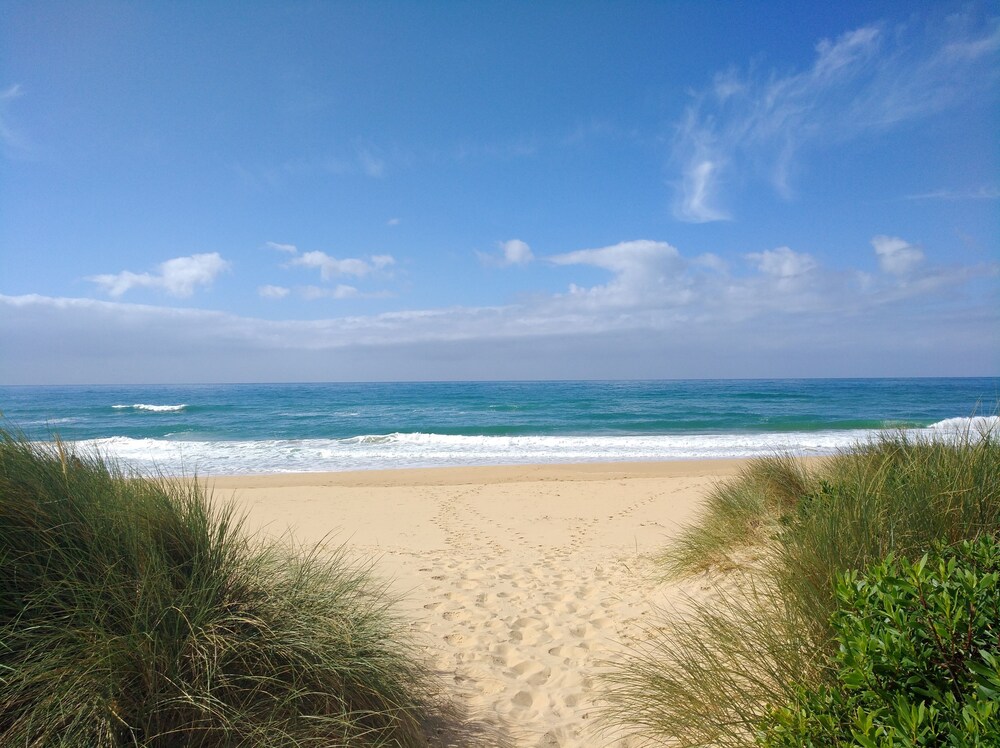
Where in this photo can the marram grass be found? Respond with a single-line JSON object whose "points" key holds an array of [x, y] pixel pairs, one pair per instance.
{"points": [[776, 539], [133, 612]]}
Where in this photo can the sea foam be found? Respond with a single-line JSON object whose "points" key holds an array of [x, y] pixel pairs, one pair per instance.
{"points": [[976, 425], [152, 408], [405, 450]]}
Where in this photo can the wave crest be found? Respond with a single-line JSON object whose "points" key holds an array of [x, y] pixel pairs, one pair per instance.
{"points": [[152, 408], [975, 425]]}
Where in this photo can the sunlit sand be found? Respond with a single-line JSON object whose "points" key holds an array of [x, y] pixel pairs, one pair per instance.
{"points": [[521, 583]]}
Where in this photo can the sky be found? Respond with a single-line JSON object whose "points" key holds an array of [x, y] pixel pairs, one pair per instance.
{"points": [[362, 191]]}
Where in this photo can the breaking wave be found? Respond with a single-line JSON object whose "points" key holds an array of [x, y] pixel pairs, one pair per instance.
{"points": [[152, 408]]}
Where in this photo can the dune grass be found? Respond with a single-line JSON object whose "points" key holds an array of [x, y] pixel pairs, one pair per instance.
{"points": [[740, 518], [776, 539], [134, 612]]}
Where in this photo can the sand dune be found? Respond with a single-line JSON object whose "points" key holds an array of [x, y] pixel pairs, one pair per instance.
{"points": [[521, 584]]}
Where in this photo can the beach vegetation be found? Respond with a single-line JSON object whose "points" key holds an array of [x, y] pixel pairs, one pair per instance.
{"points": [[917, 661], [780, 547], [134, 611]]}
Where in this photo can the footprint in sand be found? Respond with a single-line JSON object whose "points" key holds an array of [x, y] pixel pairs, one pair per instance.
{"points": [[524, 699]]}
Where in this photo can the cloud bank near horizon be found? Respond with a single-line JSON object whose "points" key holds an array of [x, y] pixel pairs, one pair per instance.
{"points": [[775, 300]]}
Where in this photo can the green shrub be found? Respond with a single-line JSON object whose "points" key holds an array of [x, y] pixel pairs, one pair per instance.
{"points": [[918, 662], [134, 612]]}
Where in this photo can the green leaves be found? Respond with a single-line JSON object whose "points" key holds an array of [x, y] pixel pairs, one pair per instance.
{"points": [[918, 662]]}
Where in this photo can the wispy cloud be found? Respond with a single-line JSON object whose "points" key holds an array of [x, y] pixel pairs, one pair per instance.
{"points": [[289, 248], [371, 164], [867, 80], [340, 291], [983, 193], [364, 160], [697, 199], [11, 140], [517, 148], [178, 277], [272, 292]]}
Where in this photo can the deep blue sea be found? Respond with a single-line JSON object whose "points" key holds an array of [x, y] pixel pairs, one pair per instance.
{"points": [[268, 428]]}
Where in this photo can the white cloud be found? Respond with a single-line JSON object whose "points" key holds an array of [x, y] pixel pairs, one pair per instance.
{"points": [[782, 262], [867, 80], [895, 255], [331, 267], [512, 252], [516, 252], [644, 273], [272, 292], [178, 277], [392, 222], [289, 248], [623, 258]]}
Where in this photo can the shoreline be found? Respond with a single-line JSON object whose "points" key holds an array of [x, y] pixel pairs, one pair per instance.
{"points": [[519, 584]]}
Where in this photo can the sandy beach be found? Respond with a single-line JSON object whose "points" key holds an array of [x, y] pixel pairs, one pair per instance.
{"points": [[521, 583]]}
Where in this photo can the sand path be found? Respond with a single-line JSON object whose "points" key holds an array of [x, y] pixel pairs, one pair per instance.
{"points": [[521, 584]]}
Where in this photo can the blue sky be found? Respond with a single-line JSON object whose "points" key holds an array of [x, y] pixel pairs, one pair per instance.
{"points": [[400, 190]]}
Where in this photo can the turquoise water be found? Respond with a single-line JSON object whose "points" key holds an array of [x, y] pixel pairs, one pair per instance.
{"points": [[280, 427]]}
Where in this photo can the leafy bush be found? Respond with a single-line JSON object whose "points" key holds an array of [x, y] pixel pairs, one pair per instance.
{"points": [[134, 612], [918, 661]]}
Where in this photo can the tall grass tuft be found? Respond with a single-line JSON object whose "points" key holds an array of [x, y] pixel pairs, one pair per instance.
{"points": [[712, 674], [740, 516], [898, 495], [135, 613]]}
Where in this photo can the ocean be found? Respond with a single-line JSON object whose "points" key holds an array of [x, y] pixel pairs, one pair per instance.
{"points": [[274, 428]]}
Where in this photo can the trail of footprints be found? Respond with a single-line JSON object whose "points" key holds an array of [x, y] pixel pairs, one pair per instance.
{"points": [[516, 628], [522, 658]]}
